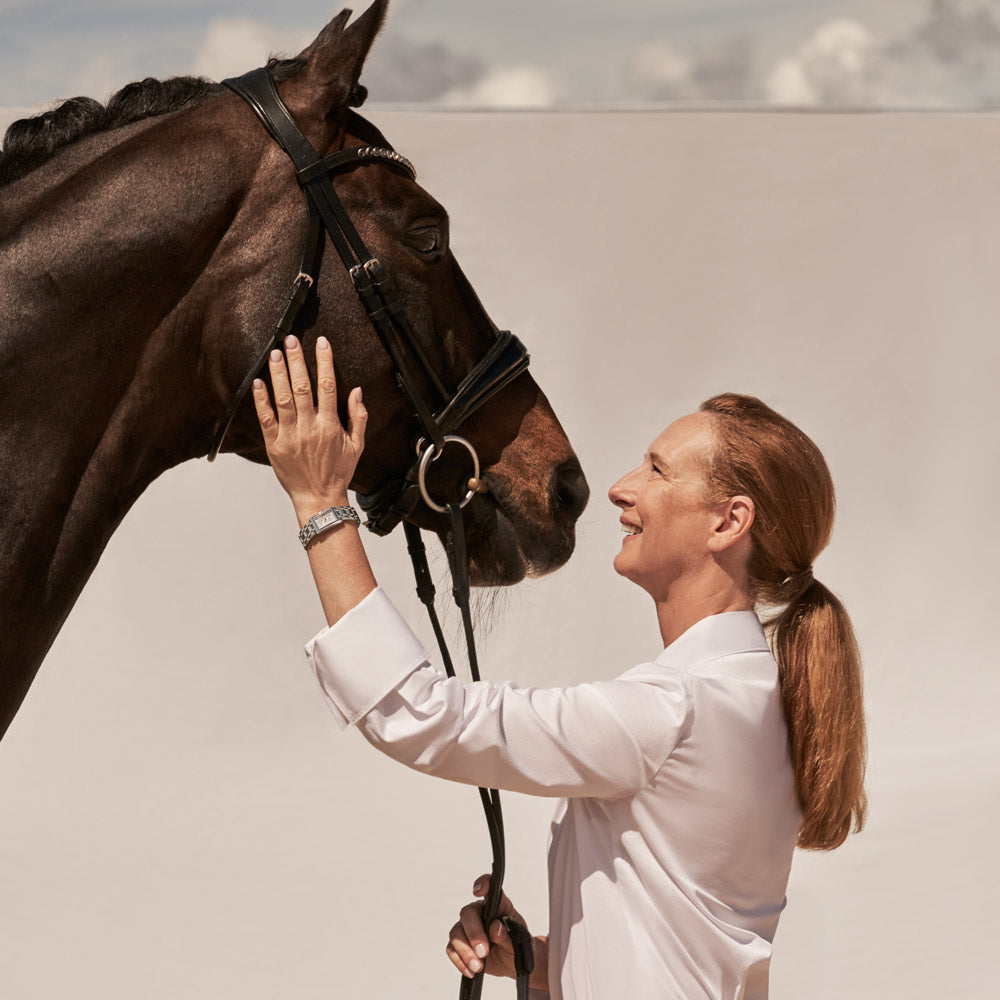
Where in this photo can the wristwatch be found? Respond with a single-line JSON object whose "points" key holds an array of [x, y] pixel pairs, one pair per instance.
{"points": [[325, 520]]}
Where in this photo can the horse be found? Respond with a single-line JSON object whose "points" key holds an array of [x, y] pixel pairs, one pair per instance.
{"points": [[145, 248]]}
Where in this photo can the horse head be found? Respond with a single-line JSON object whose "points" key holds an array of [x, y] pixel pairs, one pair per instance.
{"points": [[146, 249], [533, 489]]}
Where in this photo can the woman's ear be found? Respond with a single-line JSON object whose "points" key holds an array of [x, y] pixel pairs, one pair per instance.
{"points": [[733, 524]]}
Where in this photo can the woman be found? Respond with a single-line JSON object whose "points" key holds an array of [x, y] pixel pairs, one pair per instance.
{"points": [[687, 781]]}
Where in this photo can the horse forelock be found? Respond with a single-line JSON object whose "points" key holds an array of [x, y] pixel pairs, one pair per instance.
{"points": [[30, 142]]}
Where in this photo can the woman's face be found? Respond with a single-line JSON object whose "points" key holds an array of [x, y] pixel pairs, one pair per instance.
{"points": [[665, 515]]}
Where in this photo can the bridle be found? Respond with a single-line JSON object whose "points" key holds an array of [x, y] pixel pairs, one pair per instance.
{"points": [[397, 499], [507, 358]]}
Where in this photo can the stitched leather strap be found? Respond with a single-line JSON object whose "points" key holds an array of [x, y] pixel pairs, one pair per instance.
{"points": [[301, 287], [524, 955], [371, 283]]}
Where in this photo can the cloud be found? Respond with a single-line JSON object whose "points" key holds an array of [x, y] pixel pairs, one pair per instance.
{"points": [[948, 56], [507, 87], [837, 65], [725, 71], [957, 34], [950, 59], [399, 70], [232, 45]]}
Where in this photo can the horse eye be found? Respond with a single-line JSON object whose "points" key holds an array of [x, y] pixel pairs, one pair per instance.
{"points": [[426, 241]]}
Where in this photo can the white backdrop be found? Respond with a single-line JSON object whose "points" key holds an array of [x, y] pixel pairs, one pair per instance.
{"points": [[181, 816]]}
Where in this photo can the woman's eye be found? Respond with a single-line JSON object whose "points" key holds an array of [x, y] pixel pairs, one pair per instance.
{"points": [[426, 241]]}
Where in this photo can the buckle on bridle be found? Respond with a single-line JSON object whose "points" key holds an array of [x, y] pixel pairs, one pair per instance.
{"points": [[430, 455]]}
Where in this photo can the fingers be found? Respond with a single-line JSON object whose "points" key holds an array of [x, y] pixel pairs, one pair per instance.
{"points": [[326, 383], [470, 948], [357, 419], [462, 953], [481, 888], [499, 934], [284, 401], [291, 383], [298, 375], [293, 388], [268, 425], [471, 920]]}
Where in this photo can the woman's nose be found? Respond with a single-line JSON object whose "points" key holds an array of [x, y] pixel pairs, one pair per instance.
{"points": [[620, 493]]}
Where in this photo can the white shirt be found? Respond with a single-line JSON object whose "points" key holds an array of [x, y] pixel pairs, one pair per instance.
{"points": [[670, 855]]}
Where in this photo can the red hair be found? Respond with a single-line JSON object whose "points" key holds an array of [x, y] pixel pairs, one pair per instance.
{"points": [[762, 455]]}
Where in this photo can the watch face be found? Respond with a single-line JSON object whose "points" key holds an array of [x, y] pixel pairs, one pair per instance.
{"points": [[326, 518]]}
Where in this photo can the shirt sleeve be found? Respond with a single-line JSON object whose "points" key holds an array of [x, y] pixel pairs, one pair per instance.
{"points": [[603, 739]]}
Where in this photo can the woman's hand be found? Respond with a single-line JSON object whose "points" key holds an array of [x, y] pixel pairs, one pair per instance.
{"points": [[312, 454], [471, 949], [314, 458]]}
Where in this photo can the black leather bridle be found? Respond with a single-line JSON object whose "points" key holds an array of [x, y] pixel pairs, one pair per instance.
{"points": [[397, 499]]}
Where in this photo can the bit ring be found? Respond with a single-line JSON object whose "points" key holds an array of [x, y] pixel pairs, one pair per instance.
{"points": [[431, 454]]}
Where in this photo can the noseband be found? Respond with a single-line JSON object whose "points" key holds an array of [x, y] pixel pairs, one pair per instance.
{"points": [[397, 499]]}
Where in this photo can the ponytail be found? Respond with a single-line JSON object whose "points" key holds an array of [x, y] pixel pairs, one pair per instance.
{"points": [[762, 455], [820, 671]]}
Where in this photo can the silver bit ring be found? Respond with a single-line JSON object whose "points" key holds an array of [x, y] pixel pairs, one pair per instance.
{"points": [[431, 454]]}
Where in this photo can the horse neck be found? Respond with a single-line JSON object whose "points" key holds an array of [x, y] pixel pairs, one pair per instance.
{"points": [[106, 270]]}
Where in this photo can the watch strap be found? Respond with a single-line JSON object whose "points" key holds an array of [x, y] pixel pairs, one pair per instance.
{"points": [[324, 521]]}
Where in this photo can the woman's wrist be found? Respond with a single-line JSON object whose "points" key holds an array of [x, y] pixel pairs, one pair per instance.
{"points": [[311, 505], [539, 981]]}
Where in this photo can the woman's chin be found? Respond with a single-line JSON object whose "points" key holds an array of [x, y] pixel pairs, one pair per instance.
{"points": [[622, 564]]}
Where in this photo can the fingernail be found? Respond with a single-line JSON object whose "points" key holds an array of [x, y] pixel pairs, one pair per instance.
{"points": [[477, 885], [258, 383], [474, 965], [481, 950], [275, 355], [322, 343], [290, 341], [361, 397]]}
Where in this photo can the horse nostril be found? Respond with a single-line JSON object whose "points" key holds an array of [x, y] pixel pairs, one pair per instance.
{"points": [[569, 488]]}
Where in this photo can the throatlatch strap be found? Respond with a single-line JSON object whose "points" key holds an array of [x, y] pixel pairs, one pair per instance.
{"points": [[301, 287]]}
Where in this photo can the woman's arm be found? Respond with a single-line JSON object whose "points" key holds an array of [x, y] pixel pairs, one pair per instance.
{"points": [[314, 458], [469, 945], [601, 739]]}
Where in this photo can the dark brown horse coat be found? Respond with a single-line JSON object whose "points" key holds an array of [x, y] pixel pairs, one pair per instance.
{"points": [[143, 261]]}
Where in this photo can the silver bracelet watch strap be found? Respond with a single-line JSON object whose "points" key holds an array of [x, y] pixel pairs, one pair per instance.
{"points": [[325, 520]]}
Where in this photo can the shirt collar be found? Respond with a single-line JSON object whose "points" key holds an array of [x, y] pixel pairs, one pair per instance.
{"points": [[714, 637]]}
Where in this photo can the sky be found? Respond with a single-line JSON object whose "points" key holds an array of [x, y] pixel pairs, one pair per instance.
{"points": [[535, 53]]}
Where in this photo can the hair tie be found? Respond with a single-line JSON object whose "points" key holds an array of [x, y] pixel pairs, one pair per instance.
{"points": [[797, 583]]}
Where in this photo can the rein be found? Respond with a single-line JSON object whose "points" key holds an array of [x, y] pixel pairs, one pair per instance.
{"points": [[397, 499]]}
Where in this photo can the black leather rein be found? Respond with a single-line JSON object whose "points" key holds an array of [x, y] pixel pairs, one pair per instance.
{"points": [[506, 359]]}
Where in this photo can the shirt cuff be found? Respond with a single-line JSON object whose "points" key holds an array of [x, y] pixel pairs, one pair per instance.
{"points": [[363, 657]]}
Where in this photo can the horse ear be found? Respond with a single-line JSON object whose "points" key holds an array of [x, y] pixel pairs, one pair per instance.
{"points": [[327, 35], [334, 62]]}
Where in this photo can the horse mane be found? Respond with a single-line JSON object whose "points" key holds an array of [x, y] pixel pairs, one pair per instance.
{"points": [[30, 142]]}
